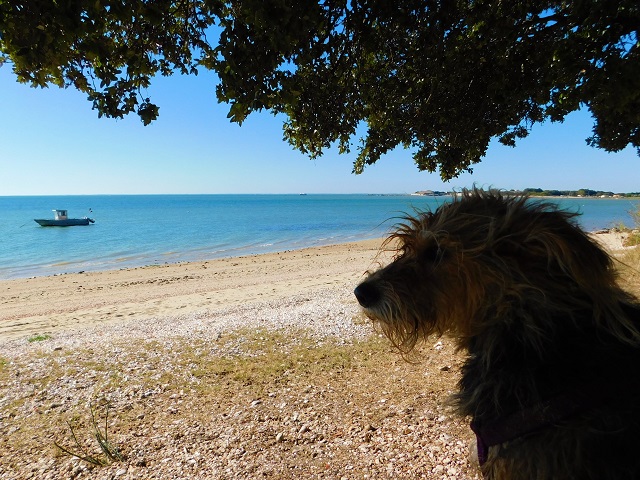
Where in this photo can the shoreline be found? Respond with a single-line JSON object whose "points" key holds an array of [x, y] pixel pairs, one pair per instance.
{"points": [[130, 263], [142, 237], [51, 305]]}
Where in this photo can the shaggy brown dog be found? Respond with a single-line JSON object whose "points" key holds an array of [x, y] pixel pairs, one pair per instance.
{"points": [[552, 375]]}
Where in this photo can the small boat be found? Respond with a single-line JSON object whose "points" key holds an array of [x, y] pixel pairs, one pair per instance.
{"points": [[60, 219]]}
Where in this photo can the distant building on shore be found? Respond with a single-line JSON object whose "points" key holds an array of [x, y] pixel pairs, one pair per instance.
{"points": [[430, 193]]}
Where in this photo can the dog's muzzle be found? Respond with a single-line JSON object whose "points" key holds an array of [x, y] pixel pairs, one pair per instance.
{"points": [[367, 294]]}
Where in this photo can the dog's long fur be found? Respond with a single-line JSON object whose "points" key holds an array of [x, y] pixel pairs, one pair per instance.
{"points": [[535, 303]]}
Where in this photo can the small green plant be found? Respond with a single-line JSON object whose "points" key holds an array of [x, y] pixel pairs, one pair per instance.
{"points": [[109, 452], [40, 337]]}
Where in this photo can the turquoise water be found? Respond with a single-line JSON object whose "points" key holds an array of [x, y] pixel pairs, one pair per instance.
{"points": [[136, 230]]}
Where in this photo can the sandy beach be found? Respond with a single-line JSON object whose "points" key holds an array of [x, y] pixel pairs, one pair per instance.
{"points": [[53, 304]]}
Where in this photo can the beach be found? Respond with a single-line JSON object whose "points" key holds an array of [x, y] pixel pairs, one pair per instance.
{"points": [[55, 304], [259, 366], [76, 301]]}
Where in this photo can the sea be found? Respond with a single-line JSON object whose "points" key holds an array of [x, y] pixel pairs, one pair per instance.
{"points": [[138, 230]]}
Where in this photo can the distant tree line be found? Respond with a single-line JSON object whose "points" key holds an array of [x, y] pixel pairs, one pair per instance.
{"points": [[583, 192]]}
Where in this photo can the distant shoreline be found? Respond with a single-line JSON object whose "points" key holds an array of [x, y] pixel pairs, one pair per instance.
{"points": [[617, 197], [542, 194]]}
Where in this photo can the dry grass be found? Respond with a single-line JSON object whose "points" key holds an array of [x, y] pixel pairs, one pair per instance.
{"points": [[253, 404], [633, 234]]}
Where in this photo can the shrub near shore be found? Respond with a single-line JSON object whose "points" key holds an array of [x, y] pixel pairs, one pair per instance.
{"points": [[634, 236]]}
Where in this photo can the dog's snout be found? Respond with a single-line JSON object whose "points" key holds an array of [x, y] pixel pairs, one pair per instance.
{"points": [[367, 294]]}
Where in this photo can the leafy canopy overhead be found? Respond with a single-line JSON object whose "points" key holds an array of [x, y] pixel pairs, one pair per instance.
{"points": [[439, 77]]}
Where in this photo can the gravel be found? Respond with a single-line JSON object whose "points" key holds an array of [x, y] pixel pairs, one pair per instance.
{"points": [[338, 423]]}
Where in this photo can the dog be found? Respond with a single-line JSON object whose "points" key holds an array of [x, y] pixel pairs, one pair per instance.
{"points": [[551, 378]]}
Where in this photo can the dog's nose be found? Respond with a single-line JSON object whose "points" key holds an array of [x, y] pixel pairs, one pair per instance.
{"points": [[367, 294]]}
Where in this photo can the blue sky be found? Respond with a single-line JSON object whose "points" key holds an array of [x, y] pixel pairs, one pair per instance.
{"points": [[53, 143]]}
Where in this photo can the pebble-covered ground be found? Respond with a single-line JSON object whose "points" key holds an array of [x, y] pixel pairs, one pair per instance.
{"points": [[293, 388]]}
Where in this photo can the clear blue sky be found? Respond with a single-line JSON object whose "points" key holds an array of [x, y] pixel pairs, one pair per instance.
{"points": [[53, 143]]}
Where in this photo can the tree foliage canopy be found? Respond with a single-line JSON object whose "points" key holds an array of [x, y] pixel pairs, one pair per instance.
{"points": [[439, 77]]}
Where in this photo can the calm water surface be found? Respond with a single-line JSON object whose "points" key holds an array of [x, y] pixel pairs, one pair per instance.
{"points": [[136, 230]]}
